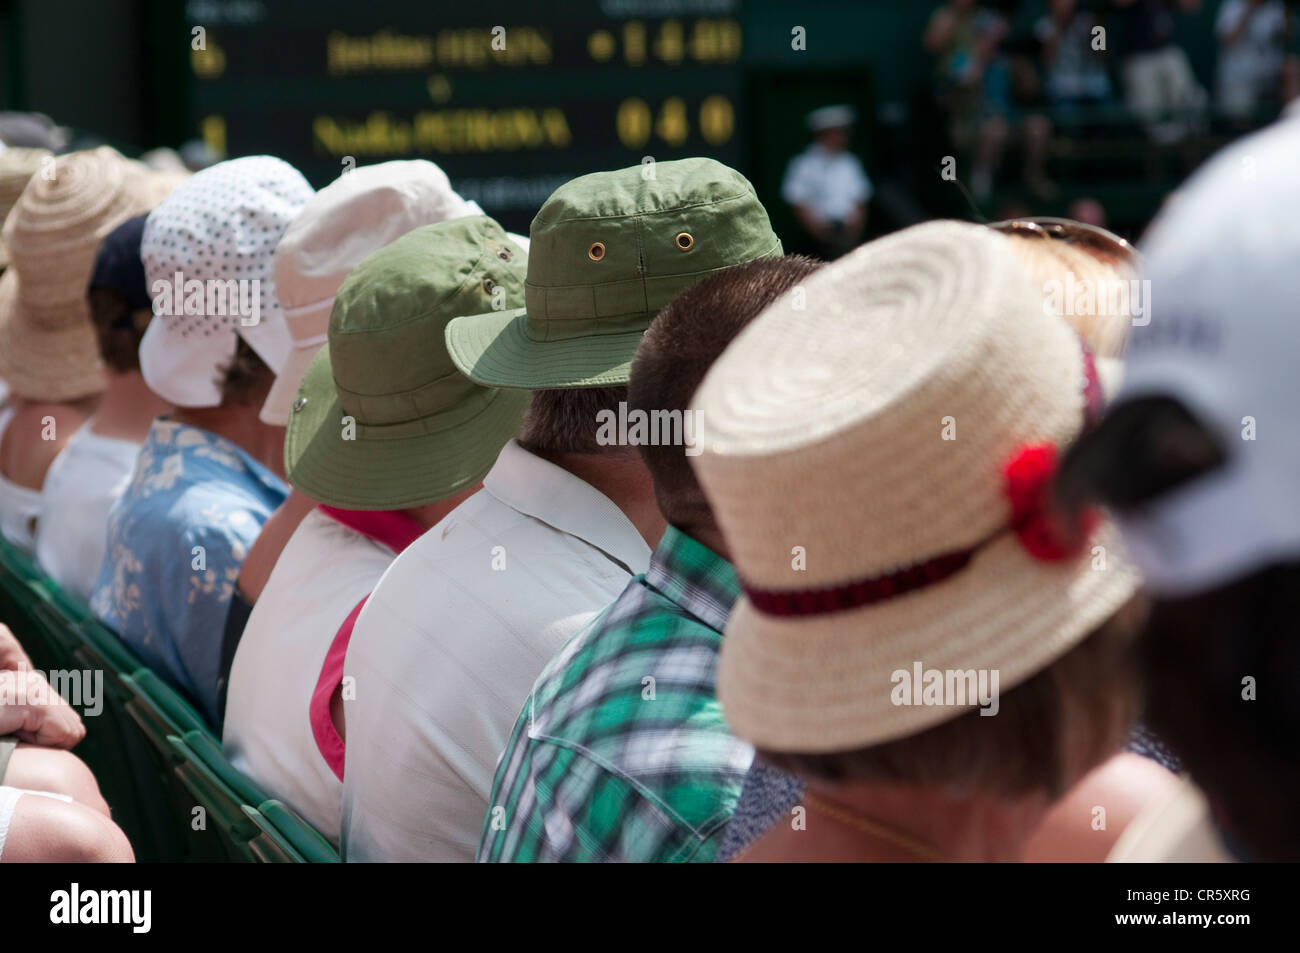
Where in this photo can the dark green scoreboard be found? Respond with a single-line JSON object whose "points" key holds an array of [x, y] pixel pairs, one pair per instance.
{"points": [[510, 98]]}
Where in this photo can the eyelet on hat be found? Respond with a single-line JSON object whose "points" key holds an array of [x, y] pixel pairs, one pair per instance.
{"points": [[597, 251], [684, 241], [489, 285], [299, 403], [504, 253]]}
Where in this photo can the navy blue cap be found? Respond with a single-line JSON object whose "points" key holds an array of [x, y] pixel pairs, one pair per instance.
{"points": [[118, 265]]}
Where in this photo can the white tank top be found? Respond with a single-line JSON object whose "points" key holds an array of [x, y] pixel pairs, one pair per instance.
{"points": [[19, 505]]}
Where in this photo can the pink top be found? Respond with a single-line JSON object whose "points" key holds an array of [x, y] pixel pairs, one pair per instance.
{"points": [[391, 528]]}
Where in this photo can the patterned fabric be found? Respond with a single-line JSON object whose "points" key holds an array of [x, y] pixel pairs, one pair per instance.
{"points": [[767, 797], [621, 752], [177, 538]]}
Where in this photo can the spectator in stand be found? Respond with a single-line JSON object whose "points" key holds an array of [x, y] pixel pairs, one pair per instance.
{"points": [[207, 476], [977, 83], [1199, 459], [891, 777], [398, 477], [1089, 211], [50, 806], [92, 471], [826, 185], [352, 217], [588, 775], [466, 618], [48, 354], [1160, 86], [1252, 42], [1075, 69]]}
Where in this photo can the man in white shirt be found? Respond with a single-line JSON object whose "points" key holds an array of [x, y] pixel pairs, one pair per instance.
{"points": [[403, 465], [826, 185], [448, 646]]}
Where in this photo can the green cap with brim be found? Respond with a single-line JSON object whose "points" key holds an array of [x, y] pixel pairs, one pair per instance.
{"points": [[383, 420], [607, 251]]}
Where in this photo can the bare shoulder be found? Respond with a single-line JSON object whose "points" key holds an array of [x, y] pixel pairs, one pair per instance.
{"points": [[36, 434]]}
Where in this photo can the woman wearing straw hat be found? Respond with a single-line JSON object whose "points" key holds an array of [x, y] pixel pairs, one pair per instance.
{"points": [[49, 356], [920, 637]]}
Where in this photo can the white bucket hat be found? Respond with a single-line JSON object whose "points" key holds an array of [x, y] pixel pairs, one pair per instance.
{"points": [[351, 218], [219, 228], [878, 449]]}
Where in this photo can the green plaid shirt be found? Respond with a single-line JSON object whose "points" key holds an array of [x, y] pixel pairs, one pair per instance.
{"points": [[621, 752]]}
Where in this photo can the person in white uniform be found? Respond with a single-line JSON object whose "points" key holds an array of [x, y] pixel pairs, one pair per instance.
{"points": [[827, 186]]}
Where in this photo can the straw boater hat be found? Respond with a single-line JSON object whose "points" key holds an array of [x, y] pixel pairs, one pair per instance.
{"points": [[825, 430], [48, 349]]}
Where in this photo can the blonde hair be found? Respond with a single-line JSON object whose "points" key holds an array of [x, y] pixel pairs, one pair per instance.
{"points": [[1053, 264]]}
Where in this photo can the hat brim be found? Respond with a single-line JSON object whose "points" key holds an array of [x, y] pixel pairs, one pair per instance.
{"points": [[496, 350], [823, 684], [278, 406], [185, 370], [389, 474], [46, 364]]}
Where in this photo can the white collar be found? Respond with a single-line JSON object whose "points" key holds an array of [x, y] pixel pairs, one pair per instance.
{"points": [[540, 489]]}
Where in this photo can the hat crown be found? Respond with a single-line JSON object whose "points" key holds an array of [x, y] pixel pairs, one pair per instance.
{"points": [[54, 230], [353, 216], [387, 340], [220, 228], [871, 425], [615, 247]]}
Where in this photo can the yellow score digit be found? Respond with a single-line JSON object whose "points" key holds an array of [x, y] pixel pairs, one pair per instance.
{"points": [[633, 123], [717, 120]]}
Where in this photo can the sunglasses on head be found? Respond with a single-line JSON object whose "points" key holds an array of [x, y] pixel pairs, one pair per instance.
{"points": [[1092, 238]]}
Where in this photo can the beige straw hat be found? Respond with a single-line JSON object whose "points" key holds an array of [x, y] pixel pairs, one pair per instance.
{"points": [[866, 541], [16, 167], [48, 349]]}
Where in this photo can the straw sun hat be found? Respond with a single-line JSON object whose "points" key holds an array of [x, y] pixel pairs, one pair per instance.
{"points": [[48, 349], [16, 167], [825, 450]]}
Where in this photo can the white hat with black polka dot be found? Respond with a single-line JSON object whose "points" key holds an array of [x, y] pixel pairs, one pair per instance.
{"points": [[207, 252]]}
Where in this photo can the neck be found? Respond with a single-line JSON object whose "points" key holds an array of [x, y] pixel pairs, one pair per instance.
{"points": [[239, 424], [958, 828], [128, 408], [431, 514], [621, 476]]}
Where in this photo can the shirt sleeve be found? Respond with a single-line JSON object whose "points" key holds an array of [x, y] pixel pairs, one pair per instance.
{"points": [[797, 187]]}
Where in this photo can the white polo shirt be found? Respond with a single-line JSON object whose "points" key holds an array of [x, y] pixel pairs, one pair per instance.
{"points": [[833, 183], [81, 486], [448, 647], [323, 572]]}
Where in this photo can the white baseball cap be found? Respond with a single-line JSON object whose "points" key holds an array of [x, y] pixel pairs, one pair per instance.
{"points": [[347, 221], [207, 252], [1224, 340], [831, 117]]}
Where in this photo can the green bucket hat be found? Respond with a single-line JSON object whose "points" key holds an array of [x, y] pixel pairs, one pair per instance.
{"points": [[606, 252], [418, 431]]}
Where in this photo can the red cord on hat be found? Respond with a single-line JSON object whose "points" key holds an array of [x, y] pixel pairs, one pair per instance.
{"points": [[1028, 486]]}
